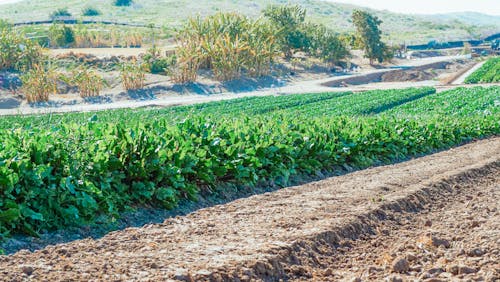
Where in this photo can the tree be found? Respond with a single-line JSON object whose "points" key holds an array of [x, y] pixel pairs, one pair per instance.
{"points": [[325, 44], [289, 22], [367, 27]]}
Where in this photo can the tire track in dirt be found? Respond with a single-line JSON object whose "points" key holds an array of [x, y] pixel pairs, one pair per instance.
{"points": [[282, 235]]}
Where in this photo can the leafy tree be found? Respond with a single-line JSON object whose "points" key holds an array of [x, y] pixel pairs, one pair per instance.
{"points": [[123, 2], [325, 44], [367, 26], [289, 21]]}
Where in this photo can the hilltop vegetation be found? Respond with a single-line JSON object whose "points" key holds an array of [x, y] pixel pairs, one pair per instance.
{"points": [[398, 27]]}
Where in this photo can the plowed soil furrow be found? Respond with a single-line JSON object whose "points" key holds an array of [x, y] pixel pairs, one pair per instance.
{"points": [[295, 233]]}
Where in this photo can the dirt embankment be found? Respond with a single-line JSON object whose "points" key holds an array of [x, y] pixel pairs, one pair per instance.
{"points": [[303, 232]]}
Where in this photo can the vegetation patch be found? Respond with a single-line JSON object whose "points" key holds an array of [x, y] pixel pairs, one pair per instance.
{"points": [[64, 170], [488, 73]]}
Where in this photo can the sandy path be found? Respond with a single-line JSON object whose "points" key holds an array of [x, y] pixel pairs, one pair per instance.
{"points": [[264, 237]]}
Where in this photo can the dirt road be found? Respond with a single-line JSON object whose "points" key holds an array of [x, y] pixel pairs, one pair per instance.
{"points": [[307, 232], [163, 95]]}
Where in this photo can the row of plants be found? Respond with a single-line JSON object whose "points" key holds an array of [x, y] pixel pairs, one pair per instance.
{"points": [[488, 73], [66, 173], [42, 81]]}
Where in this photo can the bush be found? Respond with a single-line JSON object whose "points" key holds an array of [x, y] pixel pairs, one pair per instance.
{"points": [[133, 76], [123, 2], [39, 83], [158, 64], [91, 12], [60, 13], [61, 36]]}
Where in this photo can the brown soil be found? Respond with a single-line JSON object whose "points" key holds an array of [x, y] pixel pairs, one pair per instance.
{"points": [[307, 232]]}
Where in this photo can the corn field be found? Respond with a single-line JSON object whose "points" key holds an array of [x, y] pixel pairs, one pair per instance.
{"points": [[39, 82], [133, 76], [17, 52], [229, 44], [88, 82]]}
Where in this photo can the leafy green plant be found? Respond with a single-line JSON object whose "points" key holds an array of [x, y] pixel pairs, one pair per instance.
{"points": [[64, 170], [488, 73], [61, 35], [157, 63]]}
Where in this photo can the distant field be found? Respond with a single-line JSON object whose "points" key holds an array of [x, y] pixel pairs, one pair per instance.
{"points": [[399, 27]]}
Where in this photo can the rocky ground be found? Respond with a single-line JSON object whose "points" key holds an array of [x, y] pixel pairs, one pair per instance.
{"points": [[433, 218]]}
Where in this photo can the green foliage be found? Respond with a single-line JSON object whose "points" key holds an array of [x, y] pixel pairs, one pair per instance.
{"points": [[122, 3], [61, 35], [295, 34], [289, 21], [62, 170], [90, 12], [370, 36], [60, 13], [488, 73], [326, 45], [157, 63]]}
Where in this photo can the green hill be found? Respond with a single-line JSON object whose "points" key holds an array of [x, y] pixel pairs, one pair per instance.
{"points": [[171, 13]]}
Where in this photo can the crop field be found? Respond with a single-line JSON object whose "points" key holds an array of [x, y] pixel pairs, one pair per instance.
{"points": [[62, 170], [305, 140], [488, 73]]}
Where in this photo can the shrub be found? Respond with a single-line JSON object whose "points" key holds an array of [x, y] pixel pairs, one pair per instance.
{"points": [[123, 2], [60, 13], [39, 83], [133, 76], [61, 36], [158, 64], [91, 12]]}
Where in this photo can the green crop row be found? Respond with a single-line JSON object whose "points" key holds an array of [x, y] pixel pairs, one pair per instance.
{"points": [[488, 73], [73, 167]]}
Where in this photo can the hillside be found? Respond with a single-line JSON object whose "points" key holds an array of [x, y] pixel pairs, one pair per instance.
{"points": [[171, 13]]}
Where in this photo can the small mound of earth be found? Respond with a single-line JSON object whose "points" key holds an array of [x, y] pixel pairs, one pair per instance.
{"points": [[409, 75]]}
